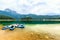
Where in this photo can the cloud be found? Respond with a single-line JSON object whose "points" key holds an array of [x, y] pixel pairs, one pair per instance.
{"points": [[40, 7]]}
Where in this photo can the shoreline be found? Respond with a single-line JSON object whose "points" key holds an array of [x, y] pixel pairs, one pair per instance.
{"points": [[32, 33]]}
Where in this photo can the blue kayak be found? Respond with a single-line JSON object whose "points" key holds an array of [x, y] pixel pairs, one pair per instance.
{"points": [[11, 29], [21, 26], [5, 27]]}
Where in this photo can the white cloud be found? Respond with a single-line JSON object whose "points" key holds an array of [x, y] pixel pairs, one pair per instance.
{"points": [[41, 7]]}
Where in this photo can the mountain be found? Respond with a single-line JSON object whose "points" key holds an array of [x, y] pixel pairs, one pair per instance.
{"points": [[11, 13], [14, 14]]}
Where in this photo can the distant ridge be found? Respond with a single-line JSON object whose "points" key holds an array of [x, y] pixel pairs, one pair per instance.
{"points": [[14, 14]]}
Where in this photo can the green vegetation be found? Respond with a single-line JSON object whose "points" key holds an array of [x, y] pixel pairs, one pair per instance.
{"points": [[5, 17], [27, 18]]}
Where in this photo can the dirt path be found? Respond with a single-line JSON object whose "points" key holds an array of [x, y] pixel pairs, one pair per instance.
{"points": [[30, 33]]}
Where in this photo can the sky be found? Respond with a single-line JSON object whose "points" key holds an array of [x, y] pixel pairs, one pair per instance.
{"points": [[39, 7]]}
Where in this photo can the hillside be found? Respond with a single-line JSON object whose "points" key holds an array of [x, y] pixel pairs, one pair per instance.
{"points": [[14, 14], [5, 17]]}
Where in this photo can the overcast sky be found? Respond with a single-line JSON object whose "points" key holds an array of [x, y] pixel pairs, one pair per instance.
{"points": [[40, 7]]}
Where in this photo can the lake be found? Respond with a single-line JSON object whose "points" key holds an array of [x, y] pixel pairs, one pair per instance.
{"points": [[29, 22]]}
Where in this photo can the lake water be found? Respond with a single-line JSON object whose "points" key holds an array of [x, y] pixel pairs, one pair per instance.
{"points": [[34, 22]]}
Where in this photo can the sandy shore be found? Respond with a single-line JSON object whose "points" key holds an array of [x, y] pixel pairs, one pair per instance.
{"points": [[38, 32]]}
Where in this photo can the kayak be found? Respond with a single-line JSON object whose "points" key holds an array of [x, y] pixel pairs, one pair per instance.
{"points": [[13, 26]]}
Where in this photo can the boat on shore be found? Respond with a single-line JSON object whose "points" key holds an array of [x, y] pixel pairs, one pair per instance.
{"points": [[13, 26]]}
